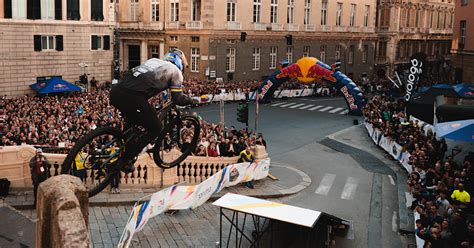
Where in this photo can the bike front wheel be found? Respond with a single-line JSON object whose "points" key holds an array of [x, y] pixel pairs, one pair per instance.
{"points": [[176, 142], [93, 158]]}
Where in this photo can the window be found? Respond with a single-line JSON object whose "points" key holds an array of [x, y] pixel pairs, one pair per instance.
{"points": [[352, 17], [73, 10], [154, 52], [337, 54], [174, 15], [194, 38], [257, 7], [196, 10], [194, 59], [97, 10], [324, 12], [365, 53], [350, 60], [256, 59], [366, 15], [231, 10], [173, 38], [382, 52], [289, 54], [47, 9], [339, 14], [408, 18], [48, 42], [291, 11], [274, 11], [462, 35], [155, 10], [307, 12], [33, 9], [17, 9], [322, 53], [306, 50], [230, 60], [273, 57], [100, 42], [134, 10]]}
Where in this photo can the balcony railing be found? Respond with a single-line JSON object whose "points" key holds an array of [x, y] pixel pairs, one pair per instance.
{"points": [[194, 25], [310, 27], [172, 25], [156, 25], [277, 27], [423, 30], [260, 26], [234, 25], [384, 29], [325, 28], [340, 29], [353, 29], [368, 29], [293, 27], [381, 60]]}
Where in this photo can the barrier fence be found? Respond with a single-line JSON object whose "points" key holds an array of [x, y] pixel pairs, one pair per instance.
{"points": [[396, 151]]}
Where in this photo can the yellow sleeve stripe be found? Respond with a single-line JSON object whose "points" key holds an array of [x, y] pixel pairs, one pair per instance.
{"points": [[176, 90]]}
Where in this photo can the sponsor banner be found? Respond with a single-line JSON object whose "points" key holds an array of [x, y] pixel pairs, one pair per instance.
{"points": [[385, 143], [369, 128], [190, 197], [376, 136], [396, 151], [404, 161]]}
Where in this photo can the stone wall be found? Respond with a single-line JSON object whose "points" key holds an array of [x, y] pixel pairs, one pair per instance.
{"points": [[62, 211]]}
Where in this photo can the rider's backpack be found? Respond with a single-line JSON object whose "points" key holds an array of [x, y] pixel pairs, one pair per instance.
{"points": [[4, 186]]}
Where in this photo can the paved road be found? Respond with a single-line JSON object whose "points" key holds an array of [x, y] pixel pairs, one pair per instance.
{"points": [[293, 129]]}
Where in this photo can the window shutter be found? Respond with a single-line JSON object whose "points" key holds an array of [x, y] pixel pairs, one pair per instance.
{"points": [[107, 42], [33, 9], [94, 42], [59, 43], [7, 9], [37, 42], [58, 9]]}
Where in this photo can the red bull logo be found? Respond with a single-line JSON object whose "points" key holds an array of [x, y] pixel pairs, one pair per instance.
{"points": [[319, 72], [291, 71], [60, 86]]}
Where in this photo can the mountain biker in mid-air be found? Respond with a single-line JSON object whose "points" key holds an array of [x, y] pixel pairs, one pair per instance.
{"points": [[130, 95]]}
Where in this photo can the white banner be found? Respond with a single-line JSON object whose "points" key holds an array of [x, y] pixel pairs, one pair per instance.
{"points": [[395, 150], [404, 161], [385, 143], [376, 135], [369, 128], [190, 197]]}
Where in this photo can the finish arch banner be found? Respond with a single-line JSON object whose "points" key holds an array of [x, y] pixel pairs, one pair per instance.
{"points": [[310, 69]]}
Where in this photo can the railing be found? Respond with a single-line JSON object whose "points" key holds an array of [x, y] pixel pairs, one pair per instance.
{"points": [[325, 28], [14, 165], [384, 29], [368, 29], [353, 29], [310, 27], [194, 25], [340, 28], [156, 25], [172, 25], [293, 27], [260, 26], [381, 60], [423, 30], [277, 27], [234, 25]]}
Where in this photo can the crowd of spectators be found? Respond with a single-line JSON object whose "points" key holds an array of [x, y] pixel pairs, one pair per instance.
{"points": [[60, 120], [440, 186]]}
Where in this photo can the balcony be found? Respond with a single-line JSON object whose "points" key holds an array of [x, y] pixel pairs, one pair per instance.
{"points": [[293, 27], [353, 29], [233, 25], [310, 28], [277, 27], [340, 29], [172, 25], [194, 25], [325, 28], [381, 60], [424, 30], [156, 25], [260, 26], [404, 30], [368, 29], [384, 29]]}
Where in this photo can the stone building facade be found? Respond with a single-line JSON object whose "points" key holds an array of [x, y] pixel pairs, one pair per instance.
{"points": [[210, 32], [463, 42], [408, 27], [46, 38]]}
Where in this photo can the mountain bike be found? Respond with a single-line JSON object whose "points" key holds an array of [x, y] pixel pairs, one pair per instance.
{"points": [[94, 157]]}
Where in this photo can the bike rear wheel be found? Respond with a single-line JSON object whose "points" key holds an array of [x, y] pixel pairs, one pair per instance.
{"points": [[176, 142], [94, 158]]}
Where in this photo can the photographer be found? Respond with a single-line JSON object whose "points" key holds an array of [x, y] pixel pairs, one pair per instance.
{"points": [[39, 165]]}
